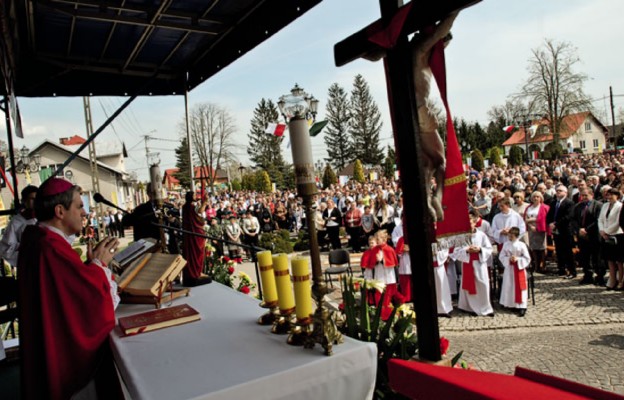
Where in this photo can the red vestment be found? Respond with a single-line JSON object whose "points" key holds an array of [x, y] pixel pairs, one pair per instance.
{"points": [[66, 314], [520, 282], [468, 274], [193, 247]]}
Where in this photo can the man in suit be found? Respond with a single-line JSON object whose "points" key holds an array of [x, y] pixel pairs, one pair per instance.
{"points": [[143, 218], [558, 218], [584, 224], [332, 218]]}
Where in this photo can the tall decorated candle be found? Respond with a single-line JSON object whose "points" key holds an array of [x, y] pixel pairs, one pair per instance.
{"points": [[303, 291], [285, 298], [267, 278]]}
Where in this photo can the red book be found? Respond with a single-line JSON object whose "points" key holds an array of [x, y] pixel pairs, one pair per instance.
{"points": [[158, 319]]}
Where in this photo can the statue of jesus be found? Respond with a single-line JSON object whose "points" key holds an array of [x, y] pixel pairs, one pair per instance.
{"points": [[434, 161]]}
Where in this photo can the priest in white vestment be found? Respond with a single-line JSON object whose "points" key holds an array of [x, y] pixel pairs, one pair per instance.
{"points": [[504, 220], [515, 258], [443, 291]]}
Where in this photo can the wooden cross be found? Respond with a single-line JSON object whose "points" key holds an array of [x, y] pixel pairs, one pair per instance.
{"points": [[397, 22]]}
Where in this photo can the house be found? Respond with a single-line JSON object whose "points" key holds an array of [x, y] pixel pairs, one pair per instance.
{"points": [[115, 184], [577, 131], [172, 184], [371, 172]]}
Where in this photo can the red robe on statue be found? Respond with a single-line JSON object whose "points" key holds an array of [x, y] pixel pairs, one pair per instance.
{"points": [[66, 314], [193, 247]]}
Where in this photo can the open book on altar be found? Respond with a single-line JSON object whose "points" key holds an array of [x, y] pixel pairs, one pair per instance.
{"points": [[150, 274]]}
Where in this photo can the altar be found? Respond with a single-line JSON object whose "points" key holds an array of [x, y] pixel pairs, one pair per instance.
{"points": [[226, 355]]}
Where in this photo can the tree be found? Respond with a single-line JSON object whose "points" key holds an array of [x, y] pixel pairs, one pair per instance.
{"points": [[477, 160], [388, 165], [249, 181], [236, 184], [495, 157], [329, 177], [515, 155], [358, 171], [264, 149], [365, 124], [211, 129], [553, 86], [552, 151], [263, 182], [183, 164], [337, 139]]}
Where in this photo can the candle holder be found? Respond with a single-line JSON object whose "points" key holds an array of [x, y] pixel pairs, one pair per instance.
{"points": [[300, 331], [324, 330], [270, 316], [284, 322]]}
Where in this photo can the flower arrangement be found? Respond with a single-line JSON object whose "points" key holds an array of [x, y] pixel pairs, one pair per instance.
{"points": [[222, 269]]}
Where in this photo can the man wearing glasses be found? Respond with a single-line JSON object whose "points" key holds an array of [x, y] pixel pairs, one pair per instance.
{"points": [[558, 219]]}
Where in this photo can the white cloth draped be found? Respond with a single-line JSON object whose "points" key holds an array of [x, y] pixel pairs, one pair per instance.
{"points": [[509, 220], [443, 291]]}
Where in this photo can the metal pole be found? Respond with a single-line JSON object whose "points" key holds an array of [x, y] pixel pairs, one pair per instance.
{"points": [[188, 138], [612, 121], [11, 153]]}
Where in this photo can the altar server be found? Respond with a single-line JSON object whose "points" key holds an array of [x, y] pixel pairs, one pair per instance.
{"points": [[474, 293], [67, 306], [515, 258], [504, 220], [405, 270], [382, 262], [443, 291]]}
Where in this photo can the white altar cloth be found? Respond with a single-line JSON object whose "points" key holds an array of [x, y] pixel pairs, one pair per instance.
{"points": [[227, 355]]}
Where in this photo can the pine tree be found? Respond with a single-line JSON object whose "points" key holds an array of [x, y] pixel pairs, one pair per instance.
{"points": [[365, 124], [183, 164], [263, 182], [477, 160], [329, 177], [495, 157], [337, 139], [264, 149], [358, 172], [515, 155], [388, 165]]}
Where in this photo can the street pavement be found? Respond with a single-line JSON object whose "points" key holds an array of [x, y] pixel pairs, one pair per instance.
{"points": [[573, 331]]}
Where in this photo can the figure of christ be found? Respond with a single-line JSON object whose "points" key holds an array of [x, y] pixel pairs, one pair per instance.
{"points": [[434, 161]]}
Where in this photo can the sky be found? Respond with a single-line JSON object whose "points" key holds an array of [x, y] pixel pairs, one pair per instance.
{"points": [[486, 62]]}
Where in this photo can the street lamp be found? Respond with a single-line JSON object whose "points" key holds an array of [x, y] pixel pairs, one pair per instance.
{"points": [[27, 162], [296, 108], [241, 169]]}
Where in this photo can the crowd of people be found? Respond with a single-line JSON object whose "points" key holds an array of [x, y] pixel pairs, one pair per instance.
{"points": [[570, 208]]}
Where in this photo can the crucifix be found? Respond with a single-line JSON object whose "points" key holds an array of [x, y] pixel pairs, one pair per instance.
{"points": [[415, 135]]}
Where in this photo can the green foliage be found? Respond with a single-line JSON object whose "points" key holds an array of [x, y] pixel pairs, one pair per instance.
{"points": [[263, 182], [339, 144], [78, 250], [329, 176], [495, 156], [388, 165], [249, 181], [477, 160], [264, 150], [515, 155], [303, 241], [236, 184], [395, 337], [183, 164], [358, 172], [552, 151], [365, 124], [277, 241]]}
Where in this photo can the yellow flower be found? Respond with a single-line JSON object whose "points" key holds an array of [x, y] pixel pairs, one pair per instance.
{"points": [[244, 276], [370, 284], [405, 311]]}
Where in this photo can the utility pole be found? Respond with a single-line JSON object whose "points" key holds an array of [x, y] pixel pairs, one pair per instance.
{"points": [[612, 121], [95, 176]]}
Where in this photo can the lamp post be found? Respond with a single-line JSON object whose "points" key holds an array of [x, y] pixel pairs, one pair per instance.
{"points": [[241, 169], [28, 162], [296, 108]]}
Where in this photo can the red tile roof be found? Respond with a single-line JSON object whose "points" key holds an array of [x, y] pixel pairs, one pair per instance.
{"points": [[569, 125], [72, 140]]}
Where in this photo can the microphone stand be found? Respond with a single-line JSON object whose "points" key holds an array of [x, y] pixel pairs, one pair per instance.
{"points": [[254, 249]]}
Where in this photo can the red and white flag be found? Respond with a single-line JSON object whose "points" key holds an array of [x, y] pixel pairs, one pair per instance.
{"points": [[275, 129], [509, 128]]}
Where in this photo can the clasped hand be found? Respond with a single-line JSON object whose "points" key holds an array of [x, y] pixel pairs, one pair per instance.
{"points": [[104, 250]]}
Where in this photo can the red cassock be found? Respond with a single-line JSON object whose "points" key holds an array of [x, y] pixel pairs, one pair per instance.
{"points": [[193, 248], [66, 314]]}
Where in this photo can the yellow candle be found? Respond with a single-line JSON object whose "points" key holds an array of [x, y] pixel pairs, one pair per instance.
{"points": [[285, 298], [303, 290], [267, 278]]}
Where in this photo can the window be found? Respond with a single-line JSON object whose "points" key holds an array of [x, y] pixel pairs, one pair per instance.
{"points": [[587, 126], [595, 143], [582, 144]]}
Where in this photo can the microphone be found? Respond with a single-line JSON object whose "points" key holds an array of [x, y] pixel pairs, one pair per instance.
{"points": [[100, 199]]}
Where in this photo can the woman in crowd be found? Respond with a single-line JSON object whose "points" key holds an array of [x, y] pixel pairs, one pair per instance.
{"points": [[612, 239], [537, 229]]}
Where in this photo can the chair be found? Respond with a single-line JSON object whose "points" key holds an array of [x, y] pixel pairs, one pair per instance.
{"points": [[339, 263]]}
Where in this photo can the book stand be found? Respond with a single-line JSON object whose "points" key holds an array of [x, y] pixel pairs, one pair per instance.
{"points": [[166, 292]]}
